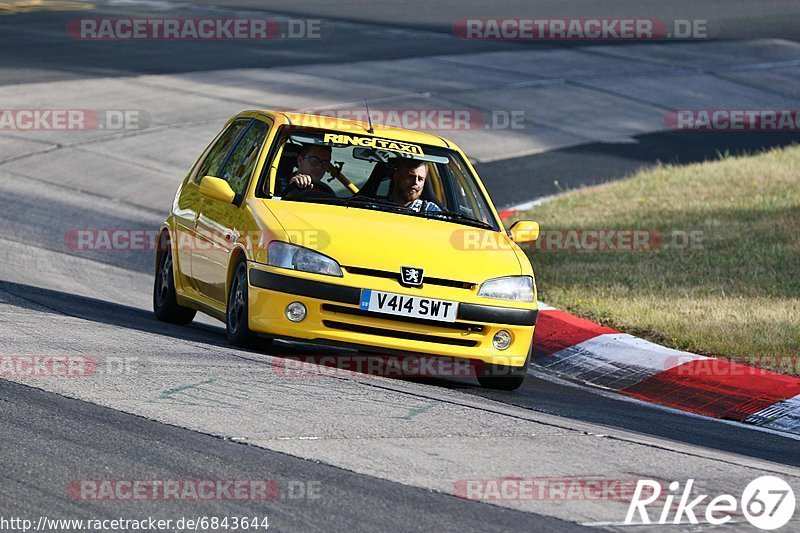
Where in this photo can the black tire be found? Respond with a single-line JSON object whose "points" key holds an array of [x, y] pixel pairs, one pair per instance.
{"points": [[165, 302], [237, 312], [503, 377]]}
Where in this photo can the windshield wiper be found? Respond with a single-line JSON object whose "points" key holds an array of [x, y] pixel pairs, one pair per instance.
{"points": [[365, 202], [452, 215], [358, 199], [361, 202]]}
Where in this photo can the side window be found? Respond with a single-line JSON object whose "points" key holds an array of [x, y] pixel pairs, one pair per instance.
{"points": [[243, 158], [217, 154], [469, 199]]}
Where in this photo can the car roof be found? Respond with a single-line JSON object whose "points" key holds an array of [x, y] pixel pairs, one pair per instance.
{"points": [[356, 127]]}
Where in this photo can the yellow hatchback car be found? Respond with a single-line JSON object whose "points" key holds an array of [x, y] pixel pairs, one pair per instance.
{"points": [[305, 227]]}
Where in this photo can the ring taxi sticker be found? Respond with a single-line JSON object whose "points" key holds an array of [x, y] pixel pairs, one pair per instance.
{"points": [[374, 142]]}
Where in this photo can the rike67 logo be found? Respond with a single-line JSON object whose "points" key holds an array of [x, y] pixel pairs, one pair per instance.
{"points": [[767, 502]]}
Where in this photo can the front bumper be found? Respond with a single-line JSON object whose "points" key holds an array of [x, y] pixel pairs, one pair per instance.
{"points": [[334, 316]]}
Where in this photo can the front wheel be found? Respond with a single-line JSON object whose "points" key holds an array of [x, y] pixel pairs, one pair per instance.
{"points": [[238, 310], [503, 377], [165, 302]]}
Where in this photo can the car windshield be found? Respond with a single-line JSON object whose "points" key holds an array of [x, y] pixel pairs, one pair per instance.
{"points": [[369, 172]]}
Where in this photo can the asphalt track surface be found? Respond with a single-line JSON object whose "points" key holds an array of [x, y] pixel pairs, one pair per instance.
{"points": [[65, 436], [33, 49], [725, 19], [52, 302]]}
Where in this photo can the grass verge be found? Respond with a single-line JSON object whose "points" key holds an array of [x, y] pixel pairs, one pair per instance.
{"points": [[719, 273]]}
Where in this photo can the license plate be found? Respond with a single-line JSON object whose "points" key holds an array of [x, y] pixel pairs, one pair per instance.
{"points": [[410, 306]]}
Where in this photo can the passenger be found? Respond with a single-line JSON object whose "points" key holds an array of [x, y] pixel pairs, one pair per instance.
{"points": [[408, 183]]}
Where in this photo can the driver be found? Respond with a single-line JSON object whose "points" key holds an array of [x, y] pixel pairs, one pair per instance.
{"points": [[408, 182], [312, 163]]}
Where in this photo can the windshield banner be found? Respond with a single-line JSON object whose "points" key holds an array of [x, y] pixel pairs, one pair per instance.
{"points": [[374, 142]]}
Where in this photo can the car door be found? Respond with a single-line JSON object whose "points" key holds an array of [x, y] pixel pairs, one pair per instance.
{"points": [[219, 223], [189, 201]]}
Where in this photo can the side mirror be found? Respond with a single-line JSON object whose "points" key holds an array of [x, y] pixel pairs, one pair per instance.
{"points": [[524, 231], [217, 189]]}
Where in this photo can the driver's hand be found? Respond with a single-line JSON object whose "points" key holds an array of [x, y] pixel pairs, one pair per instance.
{"points": [[301, 181]]}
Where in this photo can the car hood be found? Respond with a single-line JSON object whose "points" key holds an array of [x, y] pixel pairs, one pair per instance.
{"points": [[380, 240]]}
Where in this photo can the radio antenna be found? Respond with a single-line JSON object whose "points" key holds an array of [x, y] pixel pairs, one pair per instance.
{"points": [[369, 118]]}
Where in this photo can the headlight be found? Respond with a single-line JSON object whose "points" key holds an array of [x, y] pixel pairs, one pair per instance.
{"points": [[285, 255], [515, 288]]}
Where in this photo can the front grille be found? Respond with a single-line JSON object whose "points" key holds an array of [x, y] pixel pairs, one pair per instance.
{"points": [[396, 276], [459, 326], [398, 334]]}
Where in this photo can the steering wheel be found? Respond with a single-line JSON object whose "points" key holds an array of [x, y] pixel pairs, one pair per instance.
{"points": [[319, 189]]}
